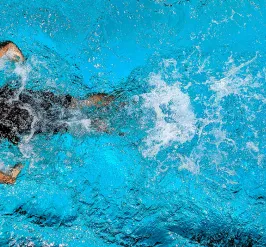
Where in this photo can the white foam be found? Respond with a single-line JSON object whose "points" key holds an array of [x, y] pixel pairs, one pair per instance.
{"points": [[252, 146], [188, 164], [175, 120], [21, 70], [80, 126], [232, 83], [26, 149], [2, 166], [86, 123], [3, 61], [29, 109]]}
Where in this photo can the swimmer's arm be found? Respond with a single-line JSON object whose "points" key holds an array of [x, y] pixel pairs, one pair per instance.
{"points": [[11, 177], [6, 179], [98, 100], [12, 52]]}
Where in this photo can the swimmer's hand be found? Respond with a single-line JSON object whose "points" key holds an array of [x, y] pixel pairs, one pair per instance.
{"points": [[12, 176]]}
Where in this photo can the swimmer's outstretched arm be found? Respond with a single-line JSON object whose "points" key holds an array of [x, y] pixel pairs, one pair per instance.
{"points": [[95, 100], [98, 100], [11, 51], [10, 178]]}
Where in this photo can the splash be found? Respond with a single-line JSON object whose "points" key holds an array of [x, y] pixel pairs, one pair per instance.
{"points": [[231, 83], [22, 71], [174, 118]]}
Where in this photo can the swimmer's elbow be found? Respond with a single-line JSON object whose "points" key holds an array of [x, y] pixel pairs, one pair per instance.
{"points": [[11, 51], [15, 53]]}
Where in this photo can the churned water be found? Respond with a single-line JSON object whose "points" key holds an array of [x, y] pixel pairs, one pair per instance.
{"points": [[184, 162]]}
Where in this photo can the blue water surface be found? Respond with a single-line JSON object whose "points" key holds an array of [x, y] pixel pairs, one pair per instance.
{"points": [[183, 162]]}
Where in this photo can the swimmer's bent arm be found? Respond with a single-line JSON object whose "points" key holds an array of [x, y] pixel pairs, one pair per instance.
{"points": [[11, 176], [9, 49]]}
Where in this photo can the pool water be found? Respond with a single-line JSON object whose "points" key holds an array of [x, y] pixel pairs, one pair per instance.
{"points": [[183, 162]]}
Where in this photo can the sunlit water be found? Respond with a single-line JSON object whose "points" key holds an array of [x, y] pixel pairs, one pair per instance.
{"points": [[184, 161]]}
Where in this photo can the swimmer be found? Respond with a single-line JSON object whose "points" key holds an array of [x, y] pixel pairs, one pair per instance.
{"points": [[21, 111]]}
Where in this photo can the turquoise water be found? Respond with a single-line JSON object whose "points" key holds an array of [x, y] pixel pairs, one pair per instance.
{"points": [[184, 162]]}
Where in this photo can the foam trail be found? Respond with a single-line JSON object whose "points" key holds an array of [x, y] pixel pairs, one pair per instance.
{"points": [[174, 121], [231, 84], [189, 164], [85, 123], [79, 125]]}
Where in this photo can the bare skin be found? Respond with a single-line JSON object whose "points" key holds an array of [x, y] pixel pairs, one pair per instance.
{"points": [[11, 176], [13, 53], [98, 100]]}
